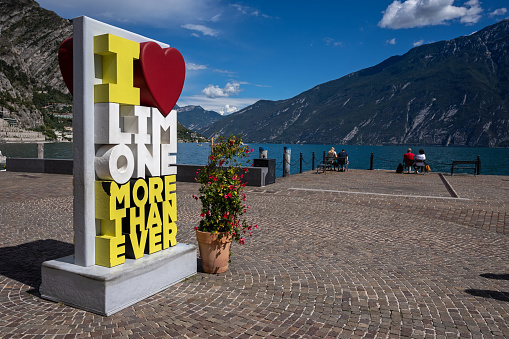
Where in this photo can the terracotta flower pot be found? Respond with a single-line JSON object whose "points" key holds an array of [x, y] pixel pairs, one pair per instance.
{"points": [[214, 252]]}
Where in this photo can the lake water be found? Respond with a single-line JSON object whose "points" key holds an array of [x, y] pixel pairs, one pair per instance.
{"points": [[493, 160]]}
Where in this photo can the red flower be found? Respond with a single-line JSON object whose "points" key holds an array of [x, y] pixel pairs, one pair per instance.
{"points": [[195, 227]]}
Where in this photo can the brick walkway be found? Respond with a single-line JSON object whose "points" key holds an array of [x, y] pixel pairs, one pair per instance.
{"points": [[361, 254]]}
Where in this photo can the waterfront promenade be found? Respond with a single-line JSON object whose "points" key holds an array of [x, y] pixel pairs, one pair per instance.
{"points": [[362, 254]]}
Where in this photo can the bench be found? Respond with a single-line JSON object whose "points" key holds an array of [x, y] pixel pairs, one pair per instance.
{"points": [[408, 165], [324, 166], [465, 164], [329, 162]]}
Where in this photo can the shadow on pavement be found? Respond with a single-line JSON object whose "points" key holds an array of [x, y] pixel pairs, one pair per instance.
{"points": [[489, 294], [495, 276], [23, 262]]}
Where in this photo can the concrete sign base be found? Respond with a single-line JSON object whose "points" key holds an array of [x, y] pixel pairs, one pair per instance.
{"points": [[105, 290]]}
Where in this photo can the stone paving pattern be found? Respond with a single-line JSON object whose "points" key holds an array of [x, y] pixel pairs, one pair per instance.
{"points": [[361, 254]]}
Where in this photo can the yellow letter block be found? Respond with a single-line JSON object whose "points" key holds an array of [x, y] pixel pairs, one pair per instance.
{"points": [[109, 196], [135, 245], [111, 204], [170, 186], [117, 70], [169, 225], [155, 185], [154, 226], [109, 251]]}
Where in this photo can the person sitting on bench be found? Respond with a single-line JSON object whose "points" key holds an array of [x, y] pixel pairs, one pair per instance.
{"points": [[343, 161], [420, 161], [331, 158], [408, 159]]}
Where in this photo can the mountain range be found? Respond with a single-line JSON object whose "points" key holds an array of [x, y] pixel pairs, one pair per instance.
{"points": [[196, 118], [30, 77], [29, 73], [449, 93]]}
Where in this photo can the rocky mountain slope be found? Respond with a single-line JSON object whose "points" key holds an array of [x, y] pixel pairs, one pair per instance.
{"points": [[29, 73], [450, 93], [196, 118]]}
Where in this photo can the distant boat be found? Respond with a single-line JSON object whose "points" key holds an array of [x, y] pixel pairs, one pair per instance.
{"points": [[200, 145]]}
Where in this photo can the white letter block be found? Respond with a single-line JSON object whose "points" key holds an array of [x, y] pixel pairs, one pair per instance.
{"points": [[164, 129], [108, 126], [142, 114], [114, 163], [168, 159], [149, 157]]}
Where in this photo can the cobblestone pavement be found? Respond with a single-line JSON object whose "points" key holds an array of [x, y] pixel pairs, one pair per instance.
{"points": [[362, 254]]}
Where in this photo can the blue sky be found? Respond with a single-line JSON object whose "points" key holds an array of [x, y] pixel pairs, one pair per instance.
{"points": [[238, 52]]}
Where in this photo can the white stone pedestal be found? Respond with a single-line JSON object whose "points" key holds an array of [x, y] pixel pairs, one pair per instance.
{"points": [[105, 290]]}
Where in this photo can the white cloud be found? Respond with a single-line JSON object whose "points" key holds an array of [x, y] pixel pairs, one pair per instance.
{"points": [[473, 13], [500, 11], [392, 41], [418, 43], [332, 42], [419, 13], [155, 13], [194, 67], [215, 18], [224, 71], [202, 29], [216, 105], [213, 92], [227, 109], [246, 10]]}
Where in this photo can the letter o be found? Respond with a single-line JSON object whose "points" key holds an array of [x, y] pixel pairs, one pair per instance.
{"points": [[135, 196], [114, 163]]}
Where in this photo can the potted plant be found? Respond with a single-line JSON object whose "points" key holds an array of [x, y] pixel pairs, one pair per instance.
{"points": [[223, 203]]}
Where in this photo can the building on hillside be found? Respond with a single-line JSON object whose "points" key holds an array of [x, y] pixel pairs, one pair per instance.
{"points": [[9, 132]]}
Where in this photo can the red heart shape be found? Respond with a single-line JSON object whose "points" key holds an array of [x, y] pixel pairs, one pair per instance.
{"points": [[160, 75], [65, 62]]}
